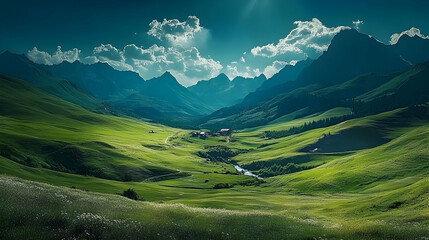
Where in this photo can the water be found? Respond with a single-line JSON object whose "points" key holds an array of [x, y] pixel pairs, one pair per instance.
{"points": [[246, 172]]}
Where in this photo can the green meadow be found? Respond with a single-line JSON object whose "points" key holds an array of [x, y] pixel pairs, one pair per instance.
{"points": [[364, 178]]}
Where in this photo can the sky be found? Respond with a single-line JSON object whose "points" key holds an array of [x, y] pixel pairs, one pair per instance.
{"points": [[197, 40]]}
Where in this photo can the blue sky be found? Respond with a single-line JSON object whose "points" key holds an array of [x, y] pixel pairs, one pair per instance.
{"points": [[198, 39]]}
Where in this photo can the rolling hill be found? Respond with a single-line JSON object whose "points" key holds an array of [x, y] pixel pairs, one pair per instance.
{"points": [[19, 66]]}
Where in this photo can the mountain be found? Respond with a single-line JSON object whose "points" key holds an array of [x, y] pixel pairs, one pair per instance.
{"points": [[220, 92], [19, 66], [128, 92], [285, 78], [286, 74], [99, 79], [412, 49], [168, 89], [351, 54], [352, 59], [408, 88]]}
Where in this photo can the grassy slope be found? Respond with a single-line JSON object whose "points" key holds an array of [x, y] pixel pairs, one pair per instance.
{"points": [[351, 195], [33, 122], [68, 212], [19, 66]]}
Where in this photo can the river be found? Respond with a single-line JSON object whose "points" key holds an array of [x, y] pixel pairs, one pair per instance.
{"points": [[246, 172]]}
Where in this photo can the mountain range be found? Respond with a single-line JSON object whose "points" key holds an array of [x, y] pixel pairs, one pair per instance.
{"points": [[353, 63], [355, 68], [328, 148]]}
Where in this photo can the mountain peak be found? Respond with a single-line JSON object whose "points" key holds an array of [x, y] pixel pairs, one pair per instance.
{"points": [[351, 37], [221, 75], [166, 78], [8, 54]]}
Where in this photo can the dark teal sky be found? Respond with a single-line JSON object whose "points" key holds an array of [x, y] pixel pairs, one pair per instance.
{"points": [[231, 27]]}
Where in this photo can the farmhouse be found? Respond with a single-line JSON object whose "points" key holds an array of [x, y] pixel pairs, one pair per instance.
{"points": [[225, 131], [202, 135]]}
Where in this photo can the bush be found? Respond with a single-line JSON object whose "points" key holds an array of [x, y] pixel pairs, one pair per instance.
{"points": [[220, 153], [308, 126], [131, 194], [221, 185]]}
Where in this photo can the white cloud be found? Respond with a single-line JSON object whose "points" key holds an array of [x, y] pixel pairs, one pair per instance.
{"points": [[174, 31], [233, 70], [58, 57], [188, 66], [308, 39], [357, 24], [179, 54], [107, 52], [274, 68], [410, 32], [132, 51], [196, 67]]}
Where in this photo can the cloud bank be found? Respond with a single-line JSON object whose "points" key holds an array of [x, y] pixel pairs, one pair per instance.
{"points": [[179, 57], [177, 53], [308, 39], [410, 32], [188, 66], [58, 57]]}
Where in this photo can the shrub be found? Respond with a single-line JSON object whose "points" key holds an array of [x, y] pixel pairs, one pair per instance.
{"points": [[131, 194], [221, 185]]}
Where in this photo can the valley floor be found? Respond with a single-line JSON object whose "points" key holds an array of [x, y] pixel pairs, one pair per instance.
{"points": [[63, 169]]}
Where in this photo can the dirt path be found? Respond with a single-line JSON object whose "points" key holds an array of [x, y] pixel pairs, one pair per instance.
{"points": [[172, 135], [166, 140]]}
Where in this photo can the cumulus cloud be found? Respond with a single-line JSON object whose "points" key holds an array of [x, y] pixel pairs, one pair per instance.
{"points": [[188, 66], [134, 52], [58, 57], [196, 67], [357, 23], [107, 52], [274, 68], [308, 39], [234, 70], [410, 32], [174, 31], [178, 52]]}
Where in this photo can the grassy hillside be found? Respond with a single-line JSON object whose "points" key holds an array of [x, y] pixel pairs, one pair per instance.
{"points": [[19, 66], [364, 192], [73, 213], [40, 130]]}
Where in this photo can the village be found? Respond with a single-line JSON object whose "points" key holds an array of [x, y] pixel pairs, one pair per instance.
{"points": [[205, 134]]}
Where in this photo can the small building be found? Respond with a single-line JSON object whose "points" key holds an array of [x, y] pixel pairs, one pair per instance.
{"points": [[202, 135], [225, 131]]}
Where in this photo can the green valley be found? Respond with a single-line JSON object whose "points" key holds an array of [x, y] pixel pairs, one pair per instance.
{"points": [[109, 154], [214, 120]]}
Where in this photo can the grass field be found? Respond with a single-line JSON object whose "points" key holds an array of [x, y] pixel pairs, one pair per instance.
{"points": [[76, 162]]}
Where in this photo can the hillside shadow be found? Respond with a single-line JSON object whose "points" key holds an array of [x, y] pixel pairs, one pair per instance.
{"points": [[352, 139]]}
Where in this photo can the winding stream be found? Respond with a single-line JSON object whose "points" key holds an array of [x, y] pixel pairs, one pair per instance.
{"points": [[246, 172]]}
